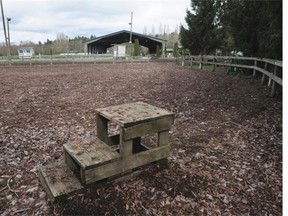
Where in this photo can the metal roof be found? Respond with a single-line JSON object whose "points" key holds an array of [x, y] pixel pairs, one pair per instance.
{"points": [[123, 36], [124, 32]]}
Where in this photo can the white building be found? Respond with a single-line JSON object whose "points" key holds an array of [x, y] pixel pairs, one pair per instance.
{"points": [[120, 50], [26, 52]]}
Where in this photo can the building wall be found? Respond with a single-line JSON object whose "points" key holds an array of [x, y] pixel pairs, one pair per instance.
{"points": [[25, 52]]}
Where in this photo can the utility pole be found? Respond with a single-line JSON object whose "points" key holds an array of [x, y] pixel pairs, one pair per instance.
{"points": [[4, 27], [131, 23], [9, 47], [130, 41], [163, 42]]}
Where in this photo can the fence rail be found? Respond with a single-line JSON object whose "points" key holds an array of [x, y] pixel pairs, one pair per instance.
{"points": [[269, 69], [69, 59]]}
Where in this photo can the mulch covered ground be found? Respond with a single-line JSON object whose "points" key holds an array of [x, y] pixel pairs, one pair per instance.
{"points": [[226, 142]]}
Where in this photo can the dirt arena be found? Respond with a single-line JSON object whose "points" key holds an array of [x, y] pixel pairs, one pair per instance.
{"points": [[226, 142]]}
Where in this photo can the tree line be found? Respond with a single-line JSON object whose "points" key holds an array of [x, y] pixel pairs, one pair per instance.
{"points": [[62, 44], [252, 27]]}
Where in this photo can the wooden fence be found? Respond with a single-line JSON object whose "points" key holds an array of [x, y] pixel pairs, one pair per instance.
{"points": [[270, 70], [69, 59]]}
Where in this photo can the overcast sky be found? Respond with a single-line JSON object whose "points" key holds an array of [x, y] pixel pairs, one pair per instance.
{"points": [[39, 20]]}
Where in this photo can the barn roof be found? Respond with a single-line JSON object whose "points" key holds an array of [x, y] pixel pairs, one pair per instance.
{"points": [[123, 36]]}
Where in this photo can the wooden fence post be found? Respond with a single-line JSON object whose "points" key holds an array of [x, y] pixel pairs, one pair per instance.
{"points": [[192, 59], [214, 66], [269, 82], [254, 70], [273, 90], [233, 64], [263, 75], [201, 62]]}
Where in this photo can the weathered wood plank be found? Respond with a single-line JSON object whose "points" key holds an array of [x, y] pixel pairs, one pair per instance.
{"points": [[263, 75], [273, 62], [267, 73], [102, 128], [126, 146], [254, 70], [90, 152], [70, 162], [139, 130], [227, 57], [232, 65], [263, 79], [58, 180], [125, 176], [270, 61], [214, 65], [270, 75], [133, 113], [102, 131], [125, 164], [163, 138], [273, 90]]}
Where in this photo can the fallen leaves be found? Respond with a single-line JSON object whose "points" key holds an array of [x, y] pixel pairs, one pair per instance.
{"points": [[226, 143]]}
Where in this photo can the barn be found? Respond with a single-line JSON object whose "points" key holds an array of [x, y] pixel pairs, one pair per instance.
{"points": [[100, 45]]}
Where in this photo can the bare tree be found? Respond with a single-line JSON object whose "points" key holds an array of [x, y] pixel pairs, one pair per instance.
{"points": [[153, 30], [61, 43], [176, 29], [145, 30], [160, 30], [167, 29]]}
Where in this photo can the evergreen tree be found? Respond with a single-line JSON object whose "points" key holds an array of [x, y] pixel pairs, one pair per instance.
{"points": [[204, 33], [136, 48], [158, 51], [270, 40], [255, 26], [176, 50]]}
